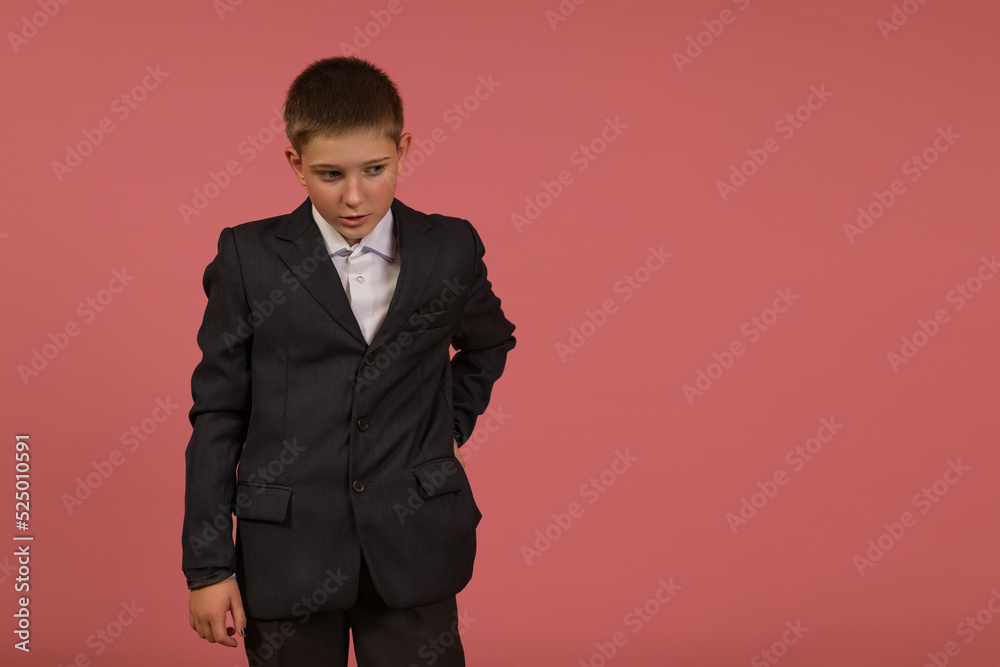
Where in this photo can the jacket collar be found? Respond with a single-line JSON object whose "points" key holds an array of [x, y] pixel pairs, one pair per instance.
{"points": [[307, 258]]}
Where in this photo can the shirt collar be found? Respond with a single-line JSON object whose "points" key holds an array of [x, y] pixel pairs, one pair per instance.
{"points": [[381, 239]]}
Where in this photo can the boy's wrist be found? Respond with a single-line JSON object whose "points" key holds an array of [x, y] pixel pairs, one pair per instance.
{"points": [[202, 582]]}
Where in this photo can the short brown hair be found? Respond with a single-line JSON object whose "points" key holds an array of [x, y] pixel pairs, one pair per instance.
{"points": [[338, 95]]}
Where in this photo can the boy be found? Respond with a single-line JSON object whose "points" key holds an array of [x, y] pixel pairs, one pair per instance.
{"points": [[326, 376]]}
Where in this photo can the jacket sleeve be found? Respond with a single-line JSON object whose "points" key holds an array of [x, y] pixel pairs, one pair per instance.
{"points": [[482, 341], [220, 387]]}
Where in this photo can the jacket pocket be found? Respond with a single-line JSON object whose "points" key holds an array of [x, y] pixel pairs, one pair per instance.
{"points": [[259, 502], [438, 476], [423, 319]]}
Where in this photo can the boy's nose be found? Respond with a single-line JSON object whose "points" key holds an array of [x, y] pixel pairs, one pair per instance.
{"points": [[352, 193]]}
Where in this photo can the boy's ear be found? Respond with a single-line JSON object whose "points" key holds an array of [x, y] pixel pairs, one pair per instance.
{"points": [[296, 163], [402, 149]]}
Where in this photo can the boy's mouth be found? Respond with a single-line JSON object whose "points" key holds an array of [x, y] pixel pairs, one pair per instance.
{"points": [[353, 220]]}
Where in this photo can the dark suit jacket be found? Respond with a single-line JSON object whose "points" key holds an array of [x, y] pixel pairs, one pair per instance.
{"points": [[341, 446]]}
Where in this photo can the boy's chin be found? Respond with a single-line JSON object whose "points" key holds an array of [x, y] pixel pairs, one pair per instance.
{"points": [[353, 234]]}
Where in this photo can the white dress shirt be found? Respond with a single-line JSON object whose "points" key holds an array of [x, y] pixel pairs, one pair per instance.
{"points": [[368, 269]]}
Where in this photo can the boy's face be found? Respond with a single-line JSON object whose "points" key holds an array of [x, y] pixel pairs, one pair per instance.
{"points": [[350, 178]]}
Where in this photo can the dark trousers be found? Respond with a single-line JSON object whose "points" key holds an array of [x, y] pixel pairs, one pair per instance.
{"points": [[383, 637]]}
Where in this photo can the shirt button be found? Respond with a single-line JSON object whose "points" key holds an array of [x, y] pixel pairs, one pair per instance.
{"points": [[362, 424], [360, 279], [358, 486]]}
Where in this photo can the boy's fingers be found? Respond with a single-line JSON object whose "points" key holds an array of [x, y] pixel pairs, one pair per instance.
{"points": [[219, 634], [204, 631], [207, 612], [239, 616], [215, 629]]}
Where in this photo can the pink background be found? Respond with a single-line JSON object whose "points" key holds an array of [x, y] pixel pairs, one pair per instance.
{"points": [[565, 418]]}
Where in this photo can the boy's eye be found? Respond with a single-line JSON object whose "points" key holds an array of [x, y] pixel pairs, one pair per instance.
{"points": [[374, 170]]}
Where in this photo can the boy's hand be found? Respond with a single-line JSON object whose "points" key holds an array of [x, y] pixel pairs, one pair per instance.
{"points": [[207, 609], [458, 454]]}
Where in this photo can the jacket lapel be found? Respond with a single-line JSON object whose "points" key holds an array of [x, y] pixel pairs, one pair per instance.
{"points": [[417, 254], [307, 257]]}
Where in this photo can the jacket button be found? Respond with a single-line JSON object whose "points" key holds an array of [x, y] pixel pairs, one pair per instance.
{"points": [[358, 486], [362, 424], [370, 360]]}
